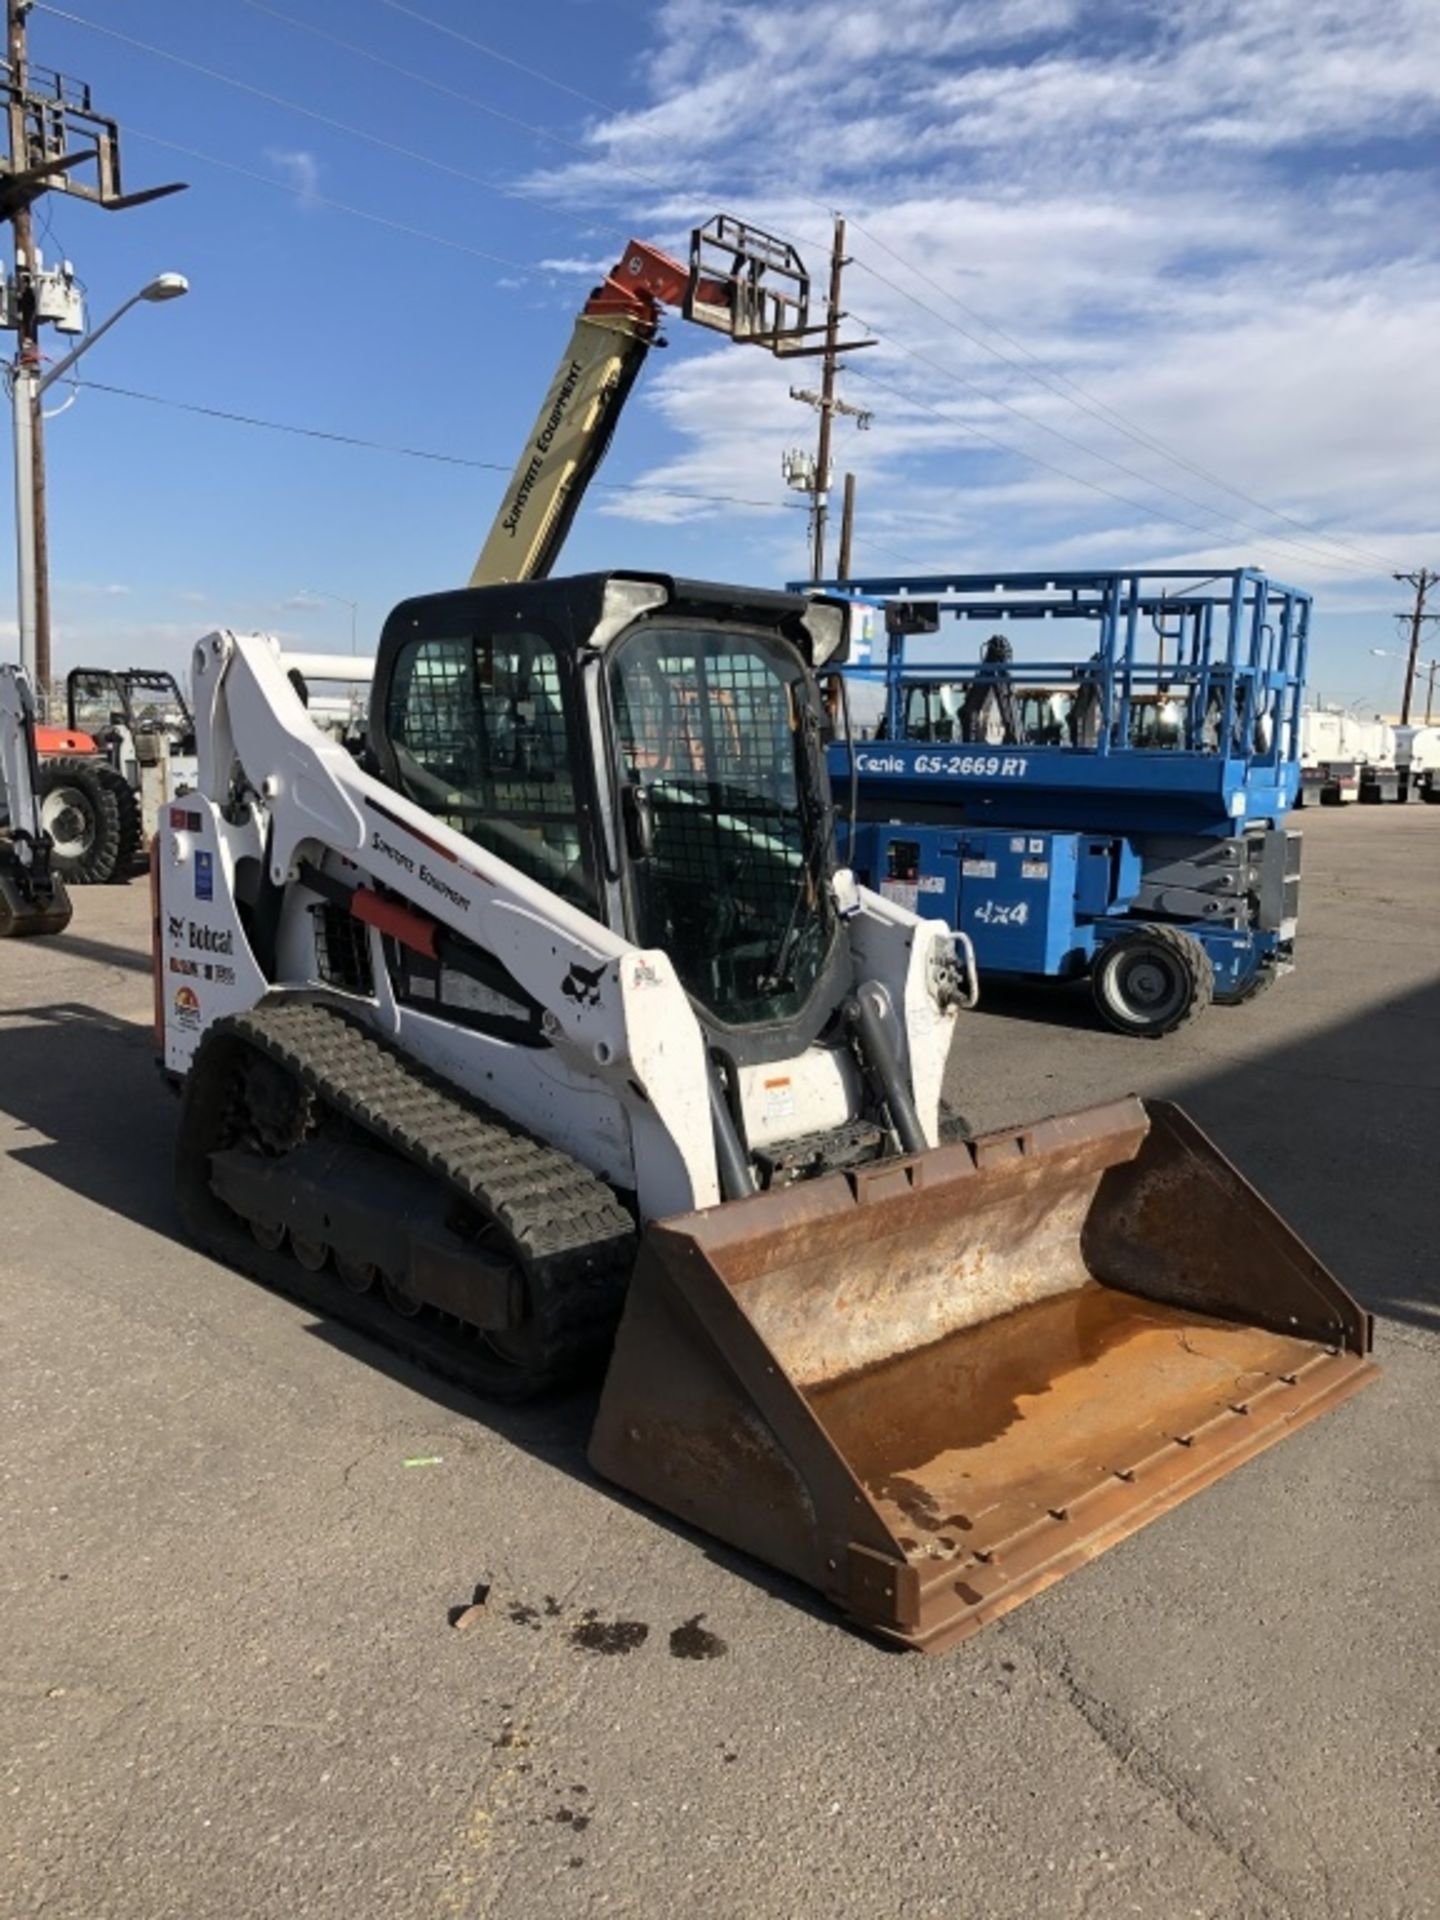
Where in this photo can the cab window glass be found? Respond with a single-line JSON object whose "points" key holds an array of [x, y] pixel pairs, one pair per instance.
{"points": [[478, 725], [95, 701], [709, 724]]}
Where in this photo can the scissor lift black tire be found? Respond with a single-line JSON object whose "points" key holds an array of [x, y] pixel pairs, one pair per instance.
{"points": [[1184, 968], [1260, 981]]}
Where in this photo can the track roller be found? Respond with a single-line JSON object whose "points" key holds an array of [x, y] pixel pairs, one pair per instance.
{"points": [[501, 1261]]}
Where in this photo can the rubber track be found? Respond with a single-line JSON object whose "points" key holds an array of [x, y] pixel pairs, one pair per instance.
{"points": [[567, 1230]]}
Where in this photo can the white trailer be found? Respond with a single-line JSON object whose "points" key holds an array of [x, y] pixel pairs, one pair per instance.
{"points": [[1417, 753], [1344, 758]]}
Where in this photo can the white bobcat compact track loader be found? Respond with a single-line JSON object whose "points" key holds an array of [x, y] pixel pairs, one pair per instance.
{"points": [[549, 1024]]}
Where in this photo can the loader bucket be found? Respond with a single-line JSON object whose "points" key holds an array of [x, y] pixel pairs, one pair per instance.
{"points": [[26, 911], [933, 1387]]}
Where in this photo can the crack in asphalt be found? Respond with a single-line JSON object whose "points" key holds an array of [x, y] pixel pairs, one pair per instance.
{"points": [[1149, 1770]]}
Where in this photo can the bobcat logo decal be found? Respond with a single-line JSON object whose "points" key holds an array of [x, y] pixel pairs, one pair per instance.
{"points": [[582, 984]]}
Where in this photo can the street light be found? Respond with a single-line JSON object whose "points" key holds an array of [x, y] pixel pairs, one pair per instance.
{"points": [[31, 572], [1429, 667], [321, 593]]}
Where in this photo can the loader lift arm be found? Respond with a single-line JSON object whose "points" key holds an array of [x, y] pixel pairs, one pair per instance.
{"points": [[33, 899], [740, 281]]}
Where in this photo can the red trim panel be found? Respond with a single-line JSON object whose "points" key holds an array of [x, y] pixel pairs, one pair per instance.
{"points": [[411, 929]]}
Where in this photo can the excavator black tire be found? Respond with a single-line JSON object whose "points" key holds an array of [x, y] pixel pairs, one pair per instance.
{"points": [[570, 1240], [1184, 981], [82, 818], [127, 806]]}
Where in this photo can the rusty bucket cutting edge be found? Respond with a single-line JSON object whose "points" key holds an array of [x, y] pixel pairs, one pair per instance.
{"points": [[934, 1387]]}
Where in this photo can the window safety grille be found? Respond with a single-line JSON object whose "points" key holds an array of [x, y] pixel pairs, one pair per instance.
{"points": [[479, 730], [342, 949], [709, 729]]}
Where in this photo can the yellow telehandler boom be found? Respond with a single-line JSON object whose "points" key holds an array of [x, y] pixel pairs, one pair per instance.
{"points": [[740, 281]]}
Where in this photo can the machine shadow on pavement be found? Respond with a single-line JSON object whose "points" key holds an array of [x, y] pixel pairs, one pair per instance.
{"points": [[87, 1082], [1334, 1130], [1063, 1004], [50, 1067], [1337, 1131], [72, 946]]}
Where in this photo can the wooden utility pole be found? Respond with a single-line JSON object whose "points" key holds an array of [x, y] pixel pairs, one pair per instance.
{"points": [[1422, 583], [847, 529], [51, 130], [820, 507], [32, 559], [815, 480]]}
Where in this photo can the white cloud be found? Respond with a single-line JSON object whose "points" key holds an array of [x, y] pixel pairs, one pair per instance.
{"points": [[1239, 73], [300, 169], [1214, 216], [591, 269], [92, 590]]}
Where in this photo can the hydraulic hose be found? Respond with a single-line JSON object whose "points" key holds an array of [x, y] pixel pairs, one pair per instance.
{"points": [[870, 1012]]}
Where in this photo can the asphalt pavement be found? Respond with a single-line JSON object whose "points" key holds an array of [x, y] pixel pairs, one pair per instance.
{"points": [[235, 1541]]}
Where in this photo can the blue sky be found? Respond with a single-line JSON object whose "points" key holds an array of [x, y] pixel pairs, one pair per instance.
{"points": [[1115, 255]]}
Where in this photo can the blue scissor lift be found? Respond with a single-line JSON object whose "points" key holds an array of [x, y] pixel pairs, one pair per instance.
{"points": [[1098, 787]]}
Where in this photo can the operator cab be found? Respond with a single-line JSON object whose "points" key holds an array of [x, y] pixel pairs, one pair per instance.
{"points": [[650, 750], [138, 701]]}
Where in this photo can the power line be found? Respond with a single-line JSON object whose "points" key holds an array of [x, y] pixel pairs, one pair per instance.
{"points": [[1077, 396], [1317, 556], [328, 120], [1086, 402], [1331, 544], [420, 453], [294, 106], [494, 53], [316, 199], [263, 6], [449, 92], [1137, 506], [905, 559], [665, 187]]}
